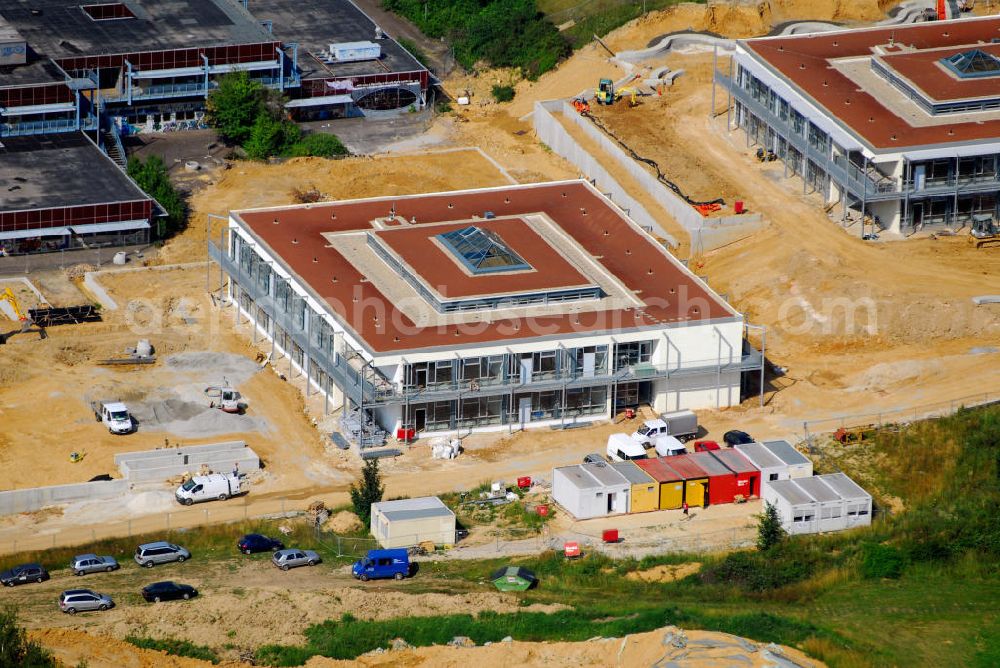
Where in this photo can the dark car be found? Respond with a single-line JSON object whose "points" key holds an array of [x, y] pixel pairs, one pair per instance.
{"points": [[595, 458], [254, 542], [24, 573], [736, 437], [167, 591]]}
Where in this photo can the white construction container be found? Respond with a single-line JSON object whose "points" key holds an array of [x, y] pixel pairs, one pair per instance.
{"points": [[797, 463], [408, 522], [590, 490], [798, 511], [349, 52], [831, 502], [771, 468]]}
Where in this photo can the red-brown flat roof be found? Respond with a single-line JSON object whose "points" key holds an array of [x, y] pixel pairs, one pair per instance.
{"points": [[669, 293], [659, 470], [417, 247], [804, 60], [925, 72]]}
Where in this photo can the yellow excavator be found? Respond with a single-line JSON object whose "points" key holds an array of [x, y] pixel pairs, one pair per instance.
{"points": [[607, 94], [984, 231], [24, 320]]}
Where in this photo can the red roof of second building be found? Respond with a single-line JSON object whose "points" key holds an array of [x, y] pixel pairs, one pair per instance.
{"points": [[804, 60]]}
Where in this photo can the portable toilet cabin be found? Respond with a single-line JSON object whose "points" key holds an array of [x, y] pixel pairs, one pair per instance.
{"points": [[644, 494], [747, 475], [590, 490], [797, 509], [722, 487], [771, 468], [798, 464], [695, 480], [857, 502], [671, 483], [831, 510]]}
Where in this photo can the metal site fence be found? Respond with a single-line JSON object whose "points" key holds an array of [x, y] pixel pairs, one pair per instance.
{"points": [[899, 416], [241, 509]]}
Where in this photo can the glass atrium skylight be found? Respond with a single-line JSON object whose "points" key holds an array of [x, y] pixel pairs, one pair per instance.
{"points": [[482, 251]]}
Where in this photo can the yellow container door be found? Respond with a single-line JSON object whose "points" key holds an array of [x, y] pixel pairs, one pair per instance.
{"points": [[671, 495], [645, 497], [697, 491]]}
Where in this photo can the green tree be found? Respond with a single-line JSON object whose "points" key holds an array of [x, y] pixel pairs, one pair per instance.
{"points": [[153, 178], [15, 648], [234, 106], [369, 490], [317, 144], [769, 529]]}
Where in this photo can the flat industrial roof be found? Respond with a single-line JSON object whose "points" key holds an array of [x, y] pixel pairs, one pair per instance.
{"points": [[592, 476], [790, 492], [61, 29], [689, 467], [410, 509], [807, 63], [784, 451], [734, 461], [38, 71], [710, 464], [817, 489], [659, 470], [844, 486], [655, 289], [65, 169], [632, 473], [315, 24], [759, 456]]}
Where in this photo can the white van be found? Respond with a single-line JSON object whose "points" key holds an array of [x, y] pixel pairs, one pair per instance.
{"points": [[668, 446], [210, 487], [115, 417], [621, 448]]}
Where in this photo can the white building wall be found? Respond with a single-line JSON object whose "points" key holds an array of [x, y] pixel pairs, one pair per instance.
{"points": [[788, 512]]}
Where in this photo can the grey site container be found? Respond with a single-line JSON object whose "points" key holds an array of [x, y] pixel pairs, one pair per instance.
{"points": [[681, 424]]}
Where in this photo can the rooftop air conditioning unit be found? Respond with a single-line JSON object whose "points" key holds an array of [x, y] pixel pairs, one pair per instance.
{"points": [[349, 52]]}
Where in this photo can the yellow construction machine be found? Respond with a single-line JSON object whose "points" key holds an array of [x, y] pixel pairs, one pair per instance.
{"points": [[24, 320], [607, 94], [984, 231]]}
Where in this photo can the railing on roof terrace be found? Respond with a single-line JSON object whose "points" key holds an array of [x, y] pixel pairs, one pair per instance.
{"points": [[42, 127]]}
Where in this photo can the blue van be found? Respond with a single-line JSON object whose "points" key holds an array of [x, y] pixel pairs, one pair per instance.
{"points": [[382, 564]]}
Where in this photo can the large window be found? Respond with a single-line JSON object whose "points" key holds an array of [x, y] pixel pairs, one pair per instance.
{"points": [[630, 354], [586, 401], [592, 360], [482, 411]]}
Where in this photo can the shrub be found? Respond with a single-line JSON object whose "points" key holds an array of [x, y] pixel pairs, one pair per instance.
{"points": [[15, 648], [233, 107], [175, 647], [152, 177], [769, 529], [881, 561], [367, 491], [319, 145], [503, 93], [754, 572]]}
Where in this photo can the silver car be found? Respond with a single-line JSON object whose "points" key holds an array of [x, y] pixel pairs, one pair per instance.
{"points": [[91, 563], [160, 552], [285, 559], [73, 601]]}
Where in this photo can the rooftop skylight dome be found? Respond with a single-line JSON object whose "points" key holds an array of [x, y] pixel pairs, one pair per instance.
{"points": [[482, 251], [973, 64]]}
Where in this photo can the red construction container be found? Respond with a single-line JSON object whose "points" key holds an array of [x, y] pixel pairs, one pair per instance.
{"points": [[738, 206], [722, 487], [406, 435], [524, 482], [571, 549], [747, 475], [609, 535], [542, 509]]}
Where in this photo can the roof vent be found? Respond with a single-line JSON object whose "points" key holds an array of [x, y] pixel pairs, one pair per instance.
{"points": [[315, 259], [334, 280], [802, 66], [294, 240], [450, 205], [506, 200], [628, 251], [847, 101], [275, 221], [893, 137], [583, 211]]}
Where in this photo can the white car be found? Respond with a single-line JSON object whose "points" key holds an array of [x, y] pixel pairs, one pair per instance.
{"points": [[293, 558]]}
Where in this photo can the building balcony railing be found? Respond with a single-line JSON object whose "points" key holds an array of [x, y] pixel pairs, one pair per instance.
{"points": [[365, 385], [24, 128]]}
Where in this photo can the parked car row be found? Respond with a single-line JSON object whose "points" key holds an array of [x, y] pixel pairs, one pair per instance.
{"points": [[376, 564]]}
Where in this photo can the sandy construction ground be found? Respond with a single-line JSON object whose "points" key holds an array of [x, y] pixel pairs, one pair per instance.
{"points": [[684, 649]]}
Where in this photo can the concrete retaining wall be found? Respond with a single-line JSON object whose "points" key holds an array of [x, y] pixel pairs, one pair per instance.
{"points": [[158, 465], [705, 233], [550, 131], [35, 498]]}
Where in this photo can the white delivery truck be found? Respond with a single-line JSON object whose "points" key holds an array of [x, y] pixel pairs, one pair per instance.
{"points": [[681, 424], [115, 416], [210, 487], [623, 448], [668, 446], [650, 430]]}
